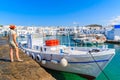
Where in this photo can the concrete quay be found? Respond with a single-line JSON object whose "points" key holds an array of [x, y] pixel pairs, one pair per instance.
{"points": [[26, 70]]}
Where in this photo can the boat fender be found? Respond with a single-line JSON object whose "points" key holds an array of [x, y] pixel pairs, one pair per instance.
{"points": [[64, 62], [33, 55], [38, 58], [28, 53], [43, 61], [54, 61]]}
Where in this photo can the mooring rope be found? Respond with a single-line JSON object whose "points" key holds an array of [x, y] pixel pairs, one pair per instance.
{"points": [[99, 66]]}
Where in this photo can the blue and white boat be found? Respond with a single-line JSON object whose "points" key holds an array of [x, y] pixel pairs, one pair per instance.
{"points": [[80, 60], [90, 39]]}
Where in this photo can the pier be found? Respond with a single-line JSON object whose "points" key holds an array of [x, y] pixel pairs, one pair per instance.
{"points": [[26, 70], [113, 41]]}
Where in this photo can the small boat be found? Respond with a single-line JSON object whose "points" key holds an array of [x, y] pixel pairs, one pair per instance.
{"points": [[90, 39], [79, 60]]}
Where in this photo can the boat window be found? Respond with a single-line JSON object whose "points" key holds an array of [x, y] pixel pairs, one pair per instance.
{"points": [[95, 50], [44, 49], [41, 49]]}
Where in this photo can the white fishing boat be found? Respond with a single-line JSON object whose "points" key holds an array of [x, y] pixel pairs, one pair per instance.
{"points": [[90, 39], [80, 60]]}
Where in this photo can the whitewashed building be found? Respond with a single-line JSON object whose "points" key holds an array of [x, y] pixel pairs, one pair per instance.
{"points": [[113, 34], [117, 32]]}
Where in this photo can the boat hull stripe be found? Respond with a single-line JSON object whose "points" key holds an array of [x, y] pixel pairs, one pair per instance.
{"points": [[85, 62], [89, 61]]}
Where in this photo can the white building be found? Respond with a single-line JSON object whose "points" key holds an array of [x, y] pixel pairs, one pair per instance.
{"points": [[117, 32], [113, 34]]}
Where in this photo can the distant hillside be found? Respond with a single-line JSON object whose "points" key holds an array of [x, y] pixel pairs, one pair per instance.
{"points": [[94, 25], [1, 25]]}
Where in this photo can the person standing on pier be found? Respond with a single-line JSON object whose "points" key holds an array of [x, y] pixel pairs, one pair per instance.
{"points": [[13, 43]]}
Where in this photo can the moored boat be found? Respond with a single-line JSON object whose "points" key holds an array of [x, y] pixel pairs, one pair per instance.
{"points": [[90, 39], [80, 60]]}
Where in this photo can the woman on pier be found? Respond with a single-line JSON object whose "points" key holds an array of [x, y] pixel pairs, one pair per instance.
{"points": [[13, 43]]}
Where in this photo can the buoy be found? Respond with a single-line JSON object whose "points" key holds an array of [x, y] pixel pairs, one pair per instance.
{"points": [[28, 53], [38, 58], [54, 61], [32, 55], [43, 61], [64, 62]]}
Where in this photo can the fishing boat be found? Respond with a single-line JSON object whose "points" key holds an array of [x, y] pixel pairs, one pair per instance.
{"points": [[80, 60], [90, 39]]}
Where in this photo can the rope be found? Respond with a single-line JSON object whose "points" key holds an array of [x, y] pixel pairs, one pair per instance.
{"points": [[99, 66]]}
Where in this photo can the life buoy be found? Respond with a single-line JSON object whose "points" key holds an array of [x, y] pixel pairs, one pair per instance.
{"points": [[38, 58], [64, 62], [33, 55]]}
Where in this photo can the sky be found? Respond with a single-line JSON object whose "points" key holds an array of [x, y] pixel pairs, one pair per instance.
{"points": [[59, 12]]}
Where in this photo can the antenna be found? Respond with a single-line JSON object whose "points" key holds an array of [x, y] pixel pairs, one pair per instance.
{"points": [[68, 37]]}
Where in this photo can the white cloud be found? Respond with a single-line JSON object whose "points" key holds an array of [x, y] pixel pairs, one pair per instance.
{"points": [[75, 22], [115, 21]]}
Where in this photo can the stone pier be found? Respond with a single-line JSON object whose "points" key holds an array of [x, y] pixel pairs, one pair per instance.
{"points": [[26, 70]]}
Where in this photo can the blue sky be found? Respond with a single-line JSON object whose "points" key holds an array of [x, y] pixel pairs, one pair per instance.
{"points": [[59, 12]]}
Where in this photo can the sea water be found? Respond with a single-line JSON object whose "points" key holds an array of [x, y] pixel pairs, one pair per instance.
{"points": [[113, 68]]}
